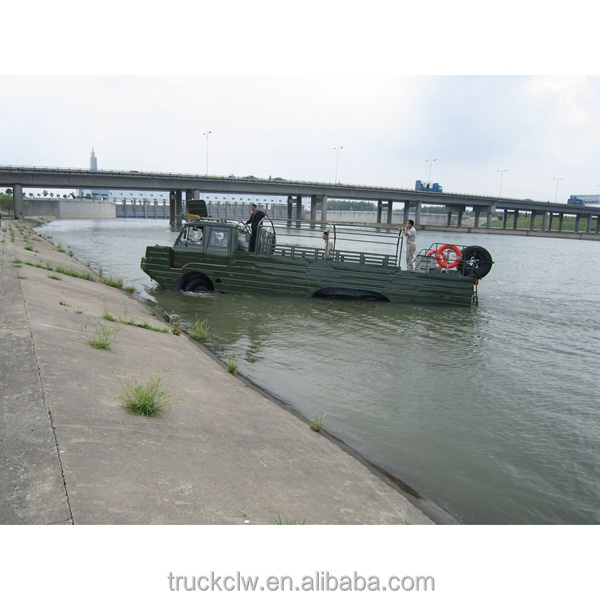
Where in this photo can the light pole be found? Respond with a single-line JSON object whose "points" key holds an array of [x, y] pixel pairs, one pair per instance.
{"points": [[337, 158], [207, 134], [556, 192], [430, 165], [501, 175]]}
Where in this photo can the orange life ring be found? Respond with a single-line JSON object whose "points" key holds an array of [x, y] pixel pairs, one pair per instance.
{"points": [[441, 257], [432, 253]]}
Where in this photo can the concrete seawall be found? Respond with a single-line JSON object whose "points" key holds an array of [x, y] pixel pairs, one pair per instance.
{"points": [[70, 209], [224, 453]]}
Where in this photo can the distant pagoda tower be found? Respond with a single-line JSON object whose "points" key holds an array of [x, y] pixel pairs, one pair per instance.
{"points": [[93, 162], [94, 194]]}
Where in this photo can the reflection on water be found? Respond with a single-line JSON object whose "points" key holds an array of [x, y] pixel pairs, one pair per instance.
{"points": [[490, 411]]}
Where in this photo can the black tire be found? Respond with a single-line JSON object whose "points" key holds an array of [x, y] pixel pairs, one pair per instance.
{"points": [[349, 294], [197, 285], [475, 262]]}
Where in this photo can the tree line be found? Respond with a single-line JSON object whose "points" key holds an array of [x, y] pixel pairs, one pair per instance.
{"points": [[6, 202]]}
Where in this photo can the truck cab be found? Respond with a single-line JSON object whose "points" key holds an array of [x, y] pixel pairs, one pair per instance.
{"points": [[428, 187]]}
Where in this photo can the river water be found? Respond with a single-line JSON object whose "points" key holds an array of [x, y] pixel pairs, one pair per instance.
{"points": [[492, 412]]}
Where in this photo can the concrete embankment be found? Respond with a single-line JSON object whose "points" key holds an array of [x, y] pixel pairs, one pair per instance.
{"points": [[223, 454]]}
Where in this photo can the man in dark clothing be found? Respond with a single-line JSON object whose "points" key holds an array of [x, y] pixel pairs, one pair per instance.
{"points": [[255, 218]]}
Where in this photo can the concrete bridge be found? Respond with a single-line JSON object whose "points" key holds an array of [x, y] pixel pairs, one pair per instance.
{"points": [[191, 186]]}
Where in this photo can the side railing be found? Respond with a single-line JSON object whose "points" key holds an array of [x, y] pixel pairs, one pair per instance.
{"points": [[351, 244], [337, 256], [441, 257]]}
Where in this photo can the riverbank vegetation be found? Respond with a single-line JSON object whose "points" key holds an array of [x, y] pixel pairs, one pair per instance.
{"points": [[231, 364], [146, 399], [103, 336], [317, 422], [200, 331], [127, 320]]}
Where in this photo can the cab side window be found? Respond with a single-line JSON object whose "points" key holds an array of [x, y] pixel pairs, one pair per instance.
{"points": [[183, 237], [219, 238]]}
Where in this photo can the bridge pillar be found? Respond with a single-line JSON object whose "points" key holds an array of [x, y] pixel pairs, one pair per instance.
{"points": [[490, 216], [504, 218], [324, 208], [561, 216], [189, 195], [290, 204], [516, 213], [178, 208], [314, 204], [313, 208], [448, 216], [18, 200], [588, 224], [532, 220], [577, 219], [406, 212], [477, 215], [461, 210], [390, 211], [417, 214], [545, 221]]}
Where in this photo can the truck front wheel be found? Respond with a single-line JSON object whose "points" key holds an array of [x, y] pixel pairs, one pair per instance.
{"points": [[196, 284]]}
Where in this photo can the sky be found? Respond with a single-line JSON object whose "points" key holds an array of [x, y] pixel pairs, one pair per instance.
{"points": [[477, 133], [473, 101]]}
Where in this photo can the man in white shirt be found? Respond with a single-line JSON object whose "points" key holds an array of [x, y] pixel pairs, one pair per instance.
{"points": [[328, 244], [411, 244]]}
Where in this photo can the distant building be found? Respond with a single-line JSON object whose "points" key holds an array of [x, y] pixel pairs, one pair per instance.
{"points": [[120, 195], [156, 195], [94, 194], [93, 162]]}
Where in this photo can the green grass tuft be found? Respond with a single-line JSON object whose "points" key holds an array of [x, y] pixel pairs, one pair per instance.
{"points": [[126, 320], [145, 399], [231, 364], [200, 331], [103, 336], [318, 421], [280, 521], [116, 282], [74, 273]]}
